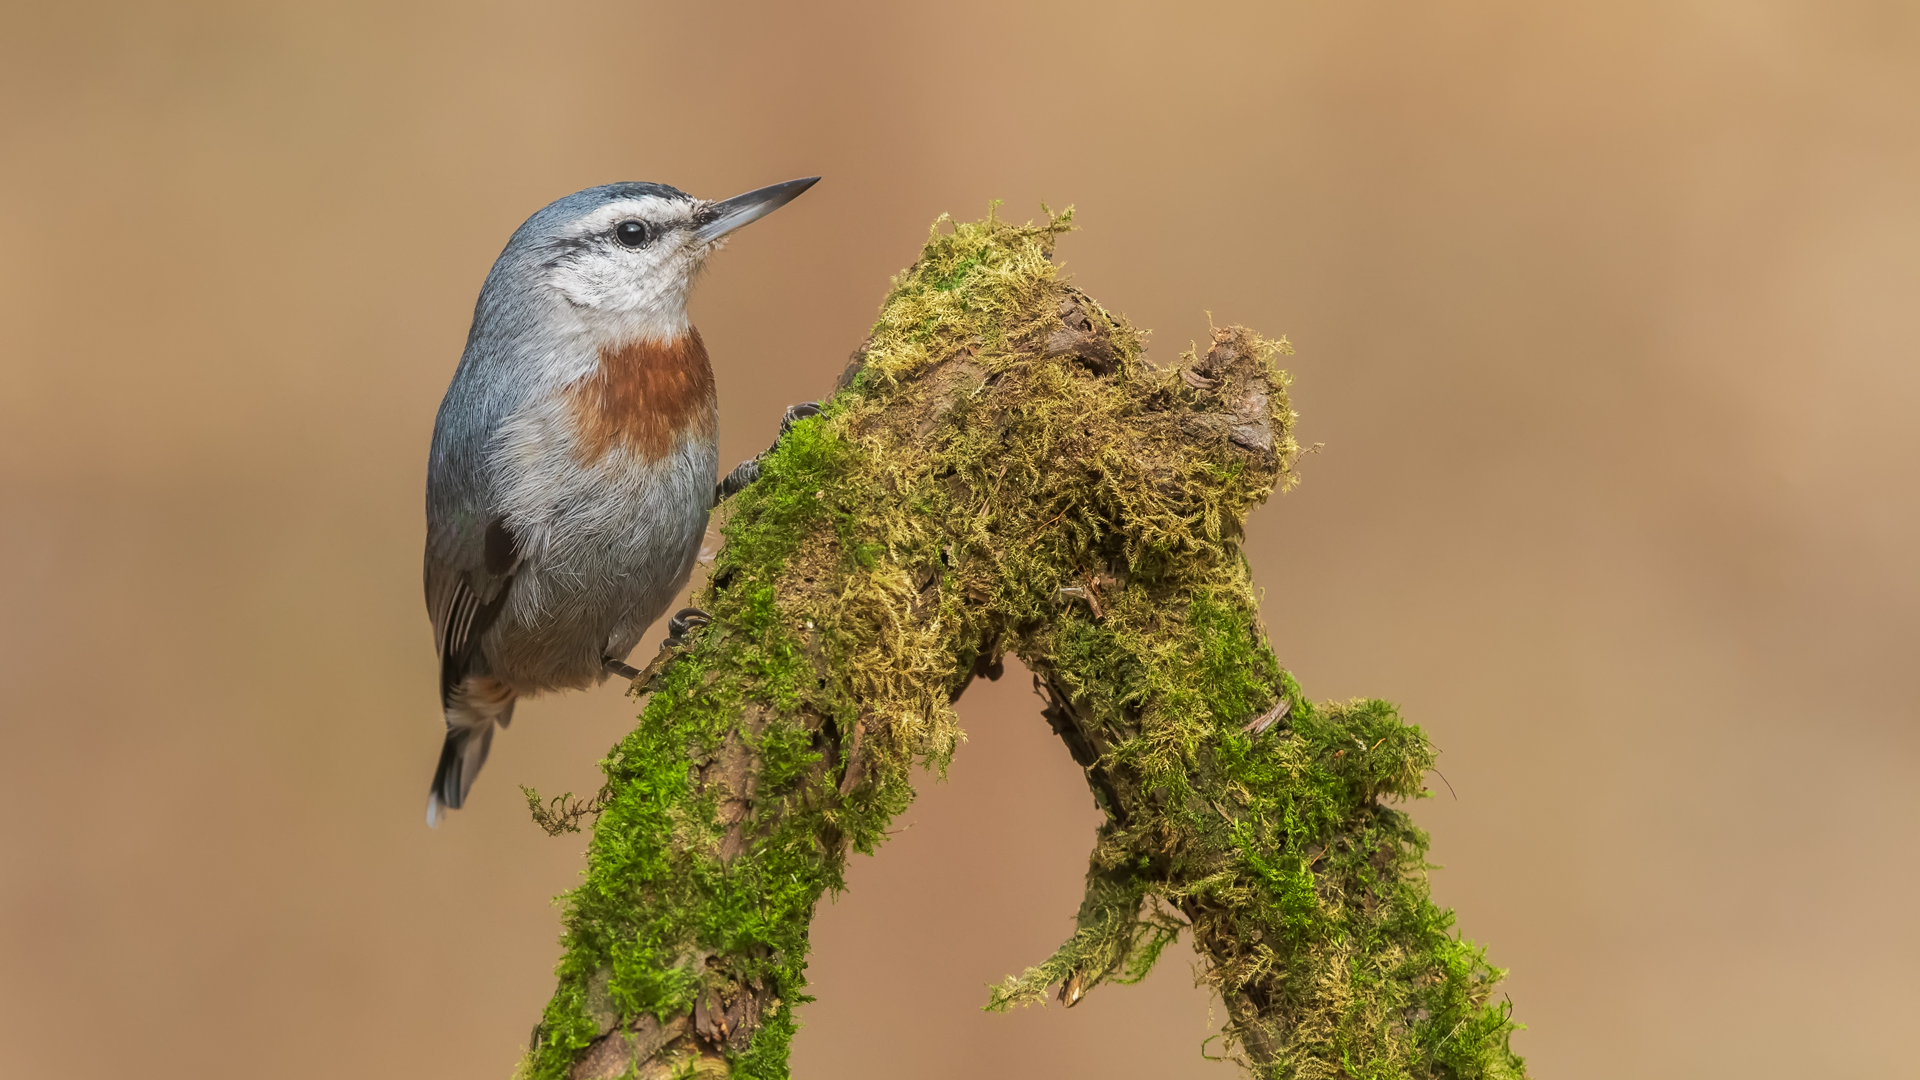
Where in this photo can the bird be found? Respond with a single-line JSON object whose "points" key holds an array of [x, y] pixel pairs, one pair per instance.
{"points": [[574, 457]]}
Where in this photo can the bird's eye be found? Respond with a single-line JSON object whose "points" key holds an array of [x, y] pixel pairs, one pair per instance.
{"points": [[631, 233]]}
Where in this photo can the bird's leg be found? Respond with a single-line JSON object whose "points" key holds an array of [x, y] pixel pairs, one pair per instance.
{"points": [[684, 622], [749, 470]]}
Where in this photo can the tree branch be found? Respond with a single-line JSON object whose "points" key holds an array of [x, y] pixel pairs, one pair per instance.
{"points": [[1001, 471]]}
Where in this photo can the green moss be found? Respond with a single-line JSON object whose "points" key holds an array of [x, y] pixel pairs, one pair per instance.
{"points": [[1007, 474]]}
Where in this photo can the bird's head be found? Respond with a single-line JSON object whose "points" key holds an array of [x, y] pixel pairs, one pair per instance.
{"points": [[622, 257]]}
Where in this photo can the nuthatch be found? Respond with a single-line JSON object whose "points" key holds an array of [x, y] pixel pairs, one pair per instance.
{"points": [[574, 457]]}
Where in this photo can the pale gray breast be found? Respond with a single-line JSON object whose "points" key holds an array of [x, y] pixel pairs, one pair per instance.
{"points": [[606, 544]]}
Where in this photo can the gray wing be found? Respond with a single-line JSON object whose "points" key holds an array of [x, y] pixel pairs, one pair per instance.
{"points": [[471, 555]]}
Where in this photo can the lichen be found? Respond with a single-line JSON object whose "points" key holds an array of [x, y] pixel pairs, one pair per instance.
{"points": [[1004, 472]]}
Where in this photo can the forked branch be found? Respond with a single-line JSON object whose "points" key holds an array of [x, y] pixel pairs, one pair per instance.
{"points": [[1002, 471]]}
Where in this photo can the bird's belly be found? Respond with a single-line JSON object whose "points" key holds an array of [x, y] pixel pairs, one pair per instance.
{"points": [[607, 549]]}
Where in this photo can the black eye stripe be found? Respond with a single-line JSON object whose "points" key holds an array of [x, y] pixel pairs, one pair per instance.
{"points": [[632, 233]]}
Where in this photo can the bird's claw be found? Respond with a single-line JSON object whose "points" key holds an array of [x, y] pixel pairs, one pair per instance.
{"points": [[797, 413], [684, 622], [749, 470]]}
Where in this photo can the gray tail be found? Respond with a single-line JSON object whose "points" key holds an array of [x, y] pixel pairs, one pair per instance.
{"points": [[461, 756]]}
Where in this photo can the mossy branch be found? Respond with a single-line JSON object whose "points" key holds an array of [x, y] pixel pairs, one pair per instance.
{"points": [[1002, 471]]}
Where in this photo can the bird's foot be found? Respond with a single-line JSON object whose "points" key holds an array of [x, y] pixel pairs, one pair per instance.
{"points": [[749, 470], [684, 622], [795, 414]]}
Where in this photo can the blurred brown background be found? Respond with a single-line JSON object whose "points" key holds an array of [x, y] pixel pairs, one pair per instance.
{"points": [[1606, 314]]}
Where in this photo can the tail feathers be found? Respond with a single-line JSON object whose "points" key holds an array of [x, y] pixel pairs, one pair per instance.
{"points": [[469, 738]]}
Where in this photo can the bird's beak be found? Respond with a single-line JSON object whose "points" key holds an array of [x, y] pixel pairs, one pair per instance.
{"points": [[730, 214]]}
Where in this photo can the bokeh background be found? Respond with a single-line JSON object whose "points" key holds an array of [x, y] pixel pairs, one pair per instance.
{"points": [[1606, 315]]}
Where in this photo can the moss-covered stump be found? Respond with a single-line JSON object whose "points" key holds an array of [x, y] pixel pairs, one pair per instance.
{"points": [[1001, 471]]}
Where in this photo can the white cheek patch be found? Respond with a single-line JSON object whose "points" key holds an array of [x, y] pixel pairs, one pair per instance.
{"points": [[628, 293]]}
